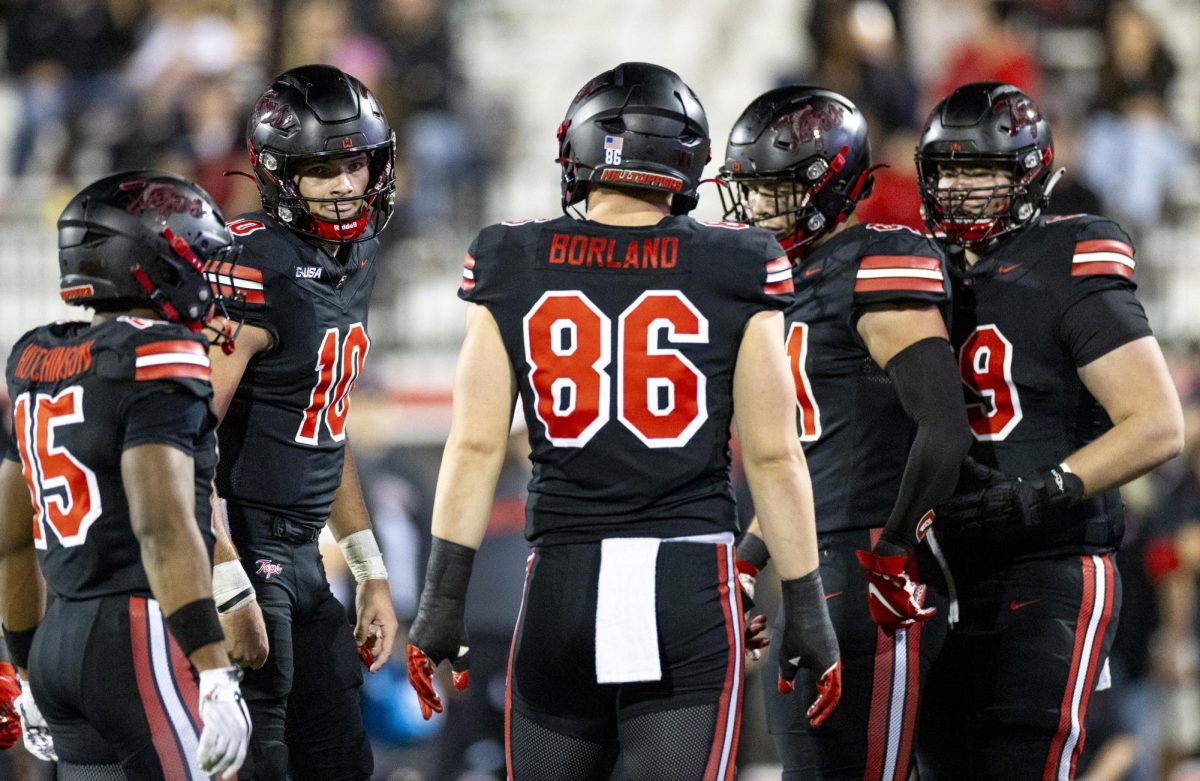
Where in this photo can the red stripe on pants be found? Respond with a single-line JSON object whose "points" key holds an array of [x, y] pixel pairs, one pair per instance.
{"points": [[1050, 772], [162, 732], [718, 747]]}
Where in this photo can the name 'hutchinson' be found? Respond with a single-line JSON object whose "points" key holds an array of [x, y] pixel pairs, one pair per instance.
{"points": [[603, 252]]}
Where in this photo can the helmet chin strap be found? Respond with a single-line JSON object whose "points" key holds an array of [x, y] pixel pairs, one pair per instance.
{"points": [[1049, 188], [348, 230]]}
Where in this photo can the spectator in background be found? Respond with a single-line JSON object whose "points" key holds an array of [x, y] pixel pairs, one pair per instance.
{"points": [[1131, 151], [67, 56], [996, 50], [422, 71], [862, 57]]}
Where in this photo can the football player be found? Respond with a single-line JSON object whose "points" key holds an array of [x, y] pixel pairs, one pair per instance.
{"points": [[324, 156], [1068, 397], [632, 336], [877, 391], [107, 480]]}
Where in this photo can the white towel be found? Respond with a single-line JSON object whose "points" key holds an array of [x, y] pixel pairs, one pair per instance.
{"points": [[626, 624]]}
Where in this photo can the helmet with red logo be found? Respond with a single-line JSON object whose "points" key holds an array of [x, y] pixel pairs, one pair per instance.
{"points": [[984, 127], [637, 125], [806, 148], [143, 238], [314, 114]]}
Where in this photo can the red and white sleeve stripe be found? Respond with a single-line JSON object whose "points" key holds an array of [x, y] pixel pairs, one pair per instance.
{"points": [[173, 359], [468, 277], [230, 279], [779, 277], [1102, 257], [905, 273]]}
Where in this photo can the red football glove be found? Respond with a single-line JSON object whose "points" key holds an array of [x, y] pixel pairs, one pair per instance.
{"points": [[10, 720], [756, 637], [895, 600], [829, 691], [420, 676]]}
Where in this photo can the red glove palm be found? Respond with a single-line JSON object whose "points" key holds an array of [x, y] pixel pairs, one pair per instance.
{"points": [[894, 599], [10, 720]]}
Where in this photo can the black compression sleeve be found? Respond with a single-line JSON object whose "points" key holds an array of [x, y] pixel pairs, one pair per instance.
{"points": [[926, 378]]}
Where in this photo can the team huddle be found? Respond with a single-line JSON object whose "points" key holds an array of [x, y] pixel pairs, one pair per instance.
{"points": [[933, 427]]}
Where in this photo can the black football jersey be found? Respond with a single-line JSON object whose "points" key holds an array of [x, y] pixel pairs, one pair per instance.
{"points": [[1053, 297], [283, 438], [624, 342], [81, 395], [856, 434]]}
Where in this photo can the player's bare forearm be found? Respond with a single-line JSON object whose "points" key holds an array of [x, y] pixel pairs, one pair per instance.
{"points": [[224, 550], [226, 369], [161, 494], [348, 514], [22, 590], [783, 499], [764, 401], [478, 437], [1134, 387]]}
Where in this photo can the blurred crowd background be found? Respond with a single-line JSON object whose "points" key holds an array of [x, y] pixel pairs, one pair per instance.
{"points": [[475, 90]]}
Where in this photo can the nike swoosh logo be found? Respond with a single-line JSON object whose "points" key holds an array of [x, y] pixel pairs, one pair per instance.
{"points": [[1015, 605], [1005, 268], [872, 591], [833, 594], [808, 272]]}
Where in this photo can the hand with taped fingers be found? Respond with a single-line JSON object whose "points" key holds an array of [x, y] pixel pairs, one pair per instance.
{"points": [[439, 631], [377, 626], [751, 557], [809, 642]]}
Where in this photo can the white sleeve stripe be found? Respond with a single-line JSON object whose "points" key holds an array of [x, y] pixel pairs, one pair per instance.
{"points": [[889, 273], [468, 273], [162, 358], [779, 276], [224, 279], [1103, 257]]}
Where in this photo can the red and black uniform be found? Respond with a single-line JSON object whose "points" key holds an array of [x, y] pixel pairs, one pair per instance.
{"points": [[282, 451], [108, 676], [624, 342], [1008, 696], [857, 436]]}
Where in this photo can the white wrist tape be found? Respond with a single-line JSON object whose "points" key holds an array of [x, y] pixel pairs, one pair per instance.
{"points": [[231, 587], [362, 556]]}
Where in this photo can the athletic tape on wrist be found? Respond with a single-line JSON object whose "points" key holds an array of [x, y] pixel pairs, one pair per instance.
{"points": [[231, 587], [362, 556]]}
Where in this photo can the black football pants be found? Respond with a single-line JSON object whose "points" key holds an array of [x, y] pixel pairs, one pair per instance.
{"points": [[1008, 696], [305, 702], [116, 691], [870, 735], [561, 724]]}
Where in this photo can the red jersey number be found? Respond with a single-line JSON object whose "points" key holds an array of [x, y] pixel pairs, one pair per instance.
{"points": [[339, 364], [808, 414], [985, 362], [661, 395], [65, 493]]}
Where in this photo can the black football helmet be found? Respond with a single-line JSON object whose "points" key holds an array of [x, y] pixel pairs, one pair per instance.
{"points": [[808, 146], [143, 238], [984, 125], [637, 125], [314, 112]]}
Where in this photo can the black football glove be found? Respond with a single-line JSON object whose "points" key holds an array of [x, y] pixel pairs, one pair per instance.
{"points": [[439, 631], [809, 641], [1005, 505]]}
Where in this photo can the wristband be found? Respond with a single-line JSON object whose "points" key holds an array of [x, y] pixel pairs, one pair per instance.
{"points": [[19, 643], [195, 625], [362, 556], [753, 551], [231, 586]]}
